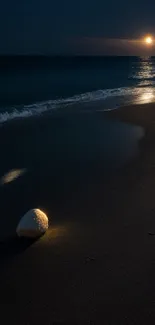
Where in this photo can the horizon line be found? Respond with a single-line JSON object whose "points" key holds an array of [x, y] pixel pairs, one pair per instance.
{"points": [[73, 55]]}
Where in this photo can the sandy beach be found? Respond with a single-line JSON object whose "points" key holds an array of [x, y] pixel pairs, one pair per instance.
{"points": [[96, 264]]}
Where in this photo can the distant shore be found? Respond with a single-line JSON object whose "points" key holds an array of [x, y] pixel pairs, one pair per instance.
{"points": [[96, 264]]}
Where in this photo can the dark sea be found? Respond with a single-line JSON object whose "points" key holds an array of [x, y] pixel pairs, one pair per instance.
{"points": [[33, 85]]}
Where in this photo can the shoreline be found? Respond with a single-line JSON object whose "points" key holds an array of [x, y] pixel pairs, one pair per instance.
{"points": [[96, 262], [139, 114], [87, 108]]}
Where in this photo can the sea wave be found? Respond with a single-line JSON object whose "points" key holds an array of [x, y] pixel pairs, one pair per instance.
{"points": [[98, 95], [142, 76]]}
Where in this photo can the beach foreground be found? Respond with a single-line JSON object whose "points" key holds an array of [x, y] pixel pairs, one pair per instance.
{"points": [[96, 263]]}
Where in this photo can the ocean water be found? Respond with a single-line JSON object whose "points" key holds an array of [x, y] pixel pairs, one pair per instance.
{"points": [[34, 85]]}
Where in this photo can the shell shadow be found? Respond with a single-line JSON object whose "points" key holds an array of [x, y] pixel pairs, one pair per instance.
{"points": [[14, 245]]}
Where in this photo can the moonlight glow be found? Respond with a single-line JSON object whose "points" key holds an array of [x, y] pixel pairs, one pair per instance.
{"points": [[148, 40]]}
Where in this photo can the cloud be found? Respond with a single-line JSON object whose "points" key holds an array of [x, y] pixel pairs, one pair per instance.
{"points": [[110, 46]]}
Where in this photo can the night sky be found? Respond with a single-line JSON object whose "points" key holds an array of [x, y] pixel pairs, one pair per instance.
{"points": [[76, 27]]}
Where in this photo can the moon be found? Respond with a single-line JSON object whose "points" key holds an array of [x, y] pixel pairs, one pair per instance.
{"points": [[148, 40]]}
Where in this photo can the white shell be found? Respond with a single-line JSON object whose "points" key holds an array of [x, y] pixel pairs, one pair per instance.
{"points": [[33, 224]]}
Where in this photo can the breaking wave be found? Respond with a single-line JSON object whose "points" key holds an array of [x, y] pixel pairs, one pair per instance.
{"points": [[98, 95]]}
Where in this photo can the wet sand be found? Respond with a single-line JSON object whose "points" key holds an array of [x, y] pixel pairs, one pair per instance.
{"points": [[96, 263]]}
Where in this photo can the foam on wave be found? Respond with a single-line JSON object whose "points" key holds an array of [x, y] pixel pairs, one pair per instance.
{"points": [[41, 107]]}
